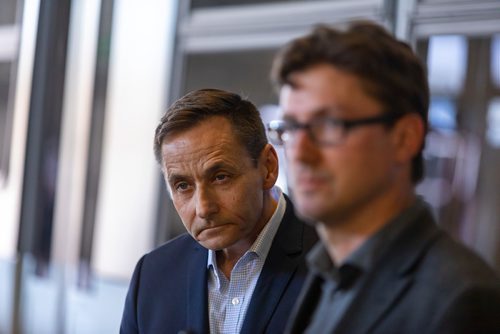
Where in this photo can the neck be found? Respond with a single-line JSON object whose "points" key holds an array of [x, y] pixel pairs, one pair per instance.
{"points": [[344, 236]]}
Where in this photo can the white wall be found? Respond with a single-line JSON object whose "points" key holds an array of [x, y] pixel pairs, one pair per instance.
{"points": [[73, 150], [141, 51]]}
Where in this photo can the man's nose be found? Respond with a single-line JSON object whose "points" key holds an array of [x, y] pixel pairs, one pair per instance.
{"points": [[206, 204]]}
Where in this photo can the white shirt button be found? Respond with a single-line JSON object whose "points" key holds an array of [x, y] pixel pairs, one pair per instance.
{"points": [[235, 301]]}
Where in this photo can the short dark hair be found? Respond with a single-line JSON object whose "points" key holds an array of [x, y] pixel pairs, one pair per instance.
{"points": [[199, 105], [388, 68]]}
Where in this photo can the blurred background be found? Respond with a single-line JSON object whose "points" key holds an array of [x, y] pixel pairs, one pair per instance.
{"points": [[83, 84]]}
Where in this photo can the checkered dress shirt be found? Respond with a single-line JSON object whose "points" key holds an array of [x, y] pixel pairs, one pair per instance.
{"points": [[228, 300]]}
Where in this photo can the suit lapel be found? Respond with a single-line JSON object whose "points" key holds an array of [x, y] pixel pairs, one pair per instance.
{"points": [[305, 305], [197, 296], [279, 268], [369, 307], [390, 278]]}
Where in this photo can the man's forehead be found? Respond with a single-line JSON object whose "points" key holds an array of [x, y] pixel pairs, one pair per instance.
{"points": [[185, 150], [296, 101], [202, 155]]}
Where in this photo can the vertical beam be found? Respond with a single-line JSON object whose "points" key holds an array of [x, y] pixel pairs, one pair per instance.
{"points": [[96, 138], [42, 144]]}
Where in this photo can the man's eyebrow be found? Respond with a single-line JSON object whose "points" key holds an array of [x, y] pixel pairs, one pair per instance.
{"points": [[316, 113], [174, 177], [216, 167]]}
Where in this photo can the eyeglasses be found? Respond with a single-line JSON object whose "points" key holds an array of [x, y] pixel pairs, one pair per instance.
{"points": [[325, 131]]}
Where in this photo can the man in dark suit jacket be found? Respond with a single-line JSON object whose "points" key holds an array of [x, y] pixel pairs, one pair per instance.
{"points": [[354, 108], [241, 266]]}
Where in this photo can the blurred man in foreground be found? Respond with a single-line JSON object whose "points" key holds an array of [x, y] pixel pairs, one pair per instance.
{"points": [[241, 265], [354, 108]]}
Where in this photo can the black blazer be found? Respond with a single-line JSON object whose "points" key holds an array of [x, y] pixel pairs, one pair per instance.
{"points": [[424, 283], [168, 291]]}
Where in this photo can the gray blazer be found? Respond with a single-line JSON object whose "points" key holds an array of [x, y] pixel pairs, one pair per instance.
{"points": [[424, 283]]}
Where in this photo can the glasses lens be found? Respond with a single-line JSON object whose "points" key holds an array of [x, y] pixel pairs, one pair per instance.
{"points": [[321, 131], [326, 131]]}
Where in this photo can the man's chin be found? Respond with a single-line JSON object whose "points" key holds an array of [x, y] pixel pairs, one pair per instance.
{"points": [[215, 244], [311, 214]]}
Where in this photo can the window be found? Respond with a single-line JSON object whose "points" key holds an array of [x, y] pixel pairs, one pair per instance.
{"points": [[462, 52], [9, 39]]}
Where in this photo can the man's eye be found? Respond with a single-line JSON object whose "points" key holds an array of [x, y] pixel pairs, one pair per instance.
{"points": [[221, 177], [181, 186]]}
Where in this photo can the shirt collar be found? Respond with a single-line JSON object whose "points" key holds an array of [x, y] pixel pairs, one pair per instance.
{"points": [[365, 256]]}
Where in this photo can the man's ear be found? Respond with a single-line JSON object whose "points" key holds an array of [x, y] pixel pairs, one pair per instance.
{"points": [[270, 166], [409, 135]]}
